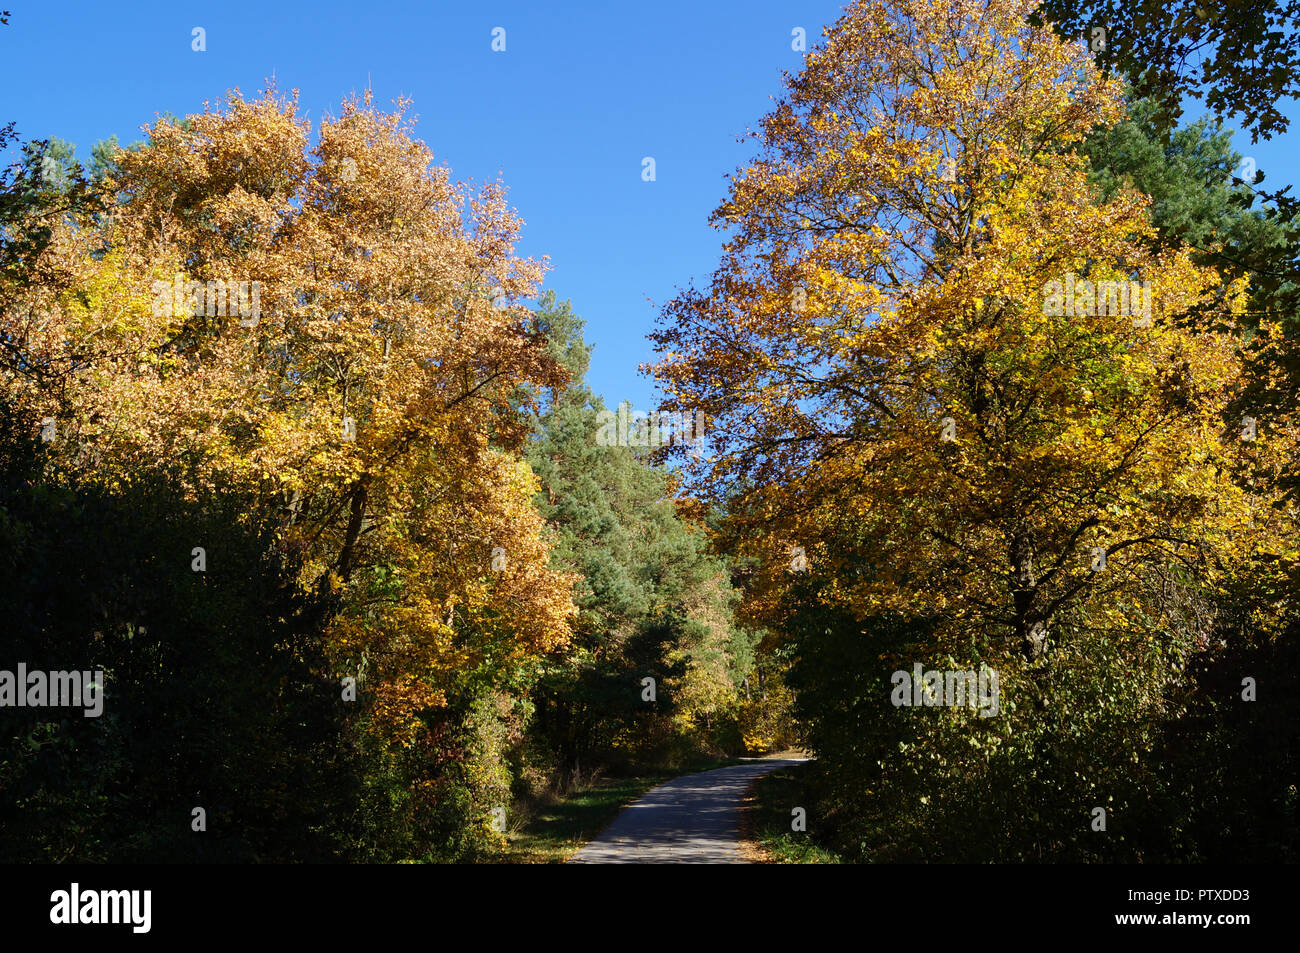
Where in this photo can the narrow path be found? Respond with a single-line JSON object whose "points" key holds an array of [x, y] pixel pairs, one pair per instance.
{"points": [[690, 820]]}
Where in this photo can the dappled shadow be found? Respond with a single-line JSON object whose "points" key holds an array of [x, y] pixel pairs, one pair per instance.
{"points": [[690, 820]]}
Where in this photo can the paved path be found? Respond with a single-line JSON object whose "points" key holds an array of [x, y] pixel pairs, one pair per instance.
{"points": [[690, 820]]}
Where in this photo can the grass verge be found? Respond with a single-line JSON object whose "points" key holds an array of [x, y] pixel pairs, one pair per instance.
{"points": [[766, 818]]}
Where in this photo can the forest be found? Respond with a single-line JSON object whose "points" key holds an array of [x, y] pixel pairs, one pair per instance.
{"points": [[974, 475]]}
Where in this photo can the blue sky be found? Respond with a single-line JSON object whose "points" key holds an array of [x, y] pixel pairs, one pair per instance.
{"points": [[565, 115]]}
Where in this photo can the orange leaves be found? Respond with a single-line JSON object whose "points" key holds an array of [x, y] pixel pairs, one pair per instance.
{"points": [[935, 405], [375, 388]]}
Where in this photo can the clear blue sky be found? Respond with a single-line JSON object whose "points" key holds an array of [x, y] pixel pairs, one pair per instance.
{"points": [[582, 92]]}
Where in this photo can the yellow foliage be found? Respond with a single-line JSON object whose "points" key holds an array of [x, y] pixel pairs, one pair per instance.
{"points": [[331, 349]]}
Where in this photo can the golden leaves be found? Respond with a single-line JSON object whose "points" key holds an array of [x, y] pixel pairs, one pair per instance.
{"points": [[366, 386], [925, 307]]}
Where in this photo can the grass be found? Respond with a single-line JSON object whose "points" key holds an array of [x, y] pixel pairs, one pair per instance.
{"points": [[767, 819], [556, 828]]}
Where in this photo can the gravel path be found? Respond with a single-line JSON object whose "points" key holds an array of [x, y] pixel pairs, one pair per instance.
{"points": [[690, 820]]}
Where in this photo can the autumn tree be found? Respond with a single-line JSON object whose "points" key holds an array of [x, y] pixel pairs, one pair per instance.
{"points": [[923, 377], [888, 342], [330, 328], [1199, 199], [1240, 60]]}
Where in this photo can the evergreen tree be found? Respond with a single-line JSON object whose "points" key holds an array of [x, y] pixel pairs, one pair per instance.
{"points": [[653, 602]]}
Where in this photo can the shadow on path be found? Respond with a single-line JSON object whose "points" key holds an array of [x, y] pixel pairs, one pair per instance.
{"points": [[690, 820]]}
